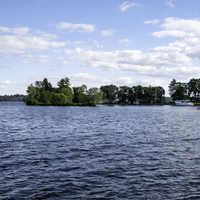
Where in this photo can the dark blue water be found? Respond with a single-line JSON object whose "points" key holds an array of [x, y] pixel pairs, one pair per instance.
{"points": [[119, 152]]}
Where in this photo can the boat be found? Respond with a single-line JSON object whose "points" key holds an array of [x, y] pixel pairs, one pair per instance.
{"points": [[184, 103]]}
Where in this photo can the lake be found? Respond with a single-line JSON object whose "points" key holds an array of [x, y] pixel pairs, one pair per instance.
{"points": [[105, 152]]}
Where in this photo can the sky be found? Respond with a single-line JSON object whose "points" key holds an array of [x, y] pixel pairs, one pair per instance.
{"points": [[98, 42]]}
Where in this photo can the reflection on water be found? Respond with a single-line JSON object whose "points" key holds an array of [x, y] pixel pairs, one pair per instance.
{"points": [[118, 152]]}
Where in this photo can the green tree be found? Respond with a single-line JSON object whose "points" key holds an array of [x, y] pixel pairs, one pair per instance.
{"points": [[139, 93], [46, 97], [94, 95], [29, 99], [59, 99], [158, 94], [46, 85], [31, 91], [193, 89], [63, 83], [38, 84], [148, 96], [110, 92], [124, 94], [177, 90], [80, 94], [68, 93], [172, 87]]}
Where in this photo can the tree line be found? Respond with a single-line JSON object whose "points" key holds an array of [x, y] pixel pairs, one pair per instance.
{"points": [[12, 98], [43, 93], [183, 91], [131, 95]]}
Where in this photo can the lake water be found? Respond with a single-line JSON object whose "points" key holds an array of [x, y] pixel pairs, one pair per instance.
{"points": [[107, 152]]}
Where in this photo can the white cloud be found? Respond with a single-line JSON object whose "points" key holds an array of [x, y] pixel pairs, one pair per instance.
{"points": [[187, 30], [126, 5], [18, 42], [67, 62], [3, 87], [46, 35], [89, 78], [155, 21], [5, 29], [28, 58], [108, 32], [173, 60], [178, 72], [119, 59], [83, 28], [147, 82], [170, 3], [97, 44], [6, 82], [17, 31], [123, 41], [56, 50], [122, 81], [172, 33], [127, 60], [179, 28]]}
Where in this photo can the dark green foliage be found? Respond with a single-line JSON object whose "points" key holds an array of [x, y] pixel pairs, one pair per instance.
{"points": [[59, 99], [110, 92], [94, 96], [64, 82], [47, 85], [44, 94], [140, 94], [182, 91], [12, 98], [193, 89], [178, 90], [46, 97], [80, 94], [132, 95], [67, 92], [124, 93]]}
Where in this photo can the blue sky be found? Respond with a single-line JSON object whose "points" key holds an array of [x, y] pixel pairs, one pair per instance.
{"points": [[98, 42]]}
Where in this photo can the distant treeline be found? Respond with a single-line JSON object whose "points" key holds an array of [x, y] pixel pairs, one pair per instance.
{"points": [[12, 98], [42, 93]]}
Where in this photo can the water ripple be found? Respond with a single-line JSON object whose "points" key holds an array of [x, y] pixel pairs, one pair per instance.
{"points": [[118, 152]]}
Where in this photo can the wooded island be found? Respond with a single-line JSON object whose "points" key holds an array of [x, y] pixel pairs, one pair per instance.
{"points": [[42, 93]]}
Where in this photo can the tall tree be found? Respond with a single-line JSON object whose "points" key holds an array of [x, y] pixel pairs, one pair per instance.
{"points": [[193, 88], [94, 95], [80, 94], [64, 82], [47, 85], [110, 92], [139, 93], [59, 99], [172, 87], [124, 94], [68, 93], [177, 90]]}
